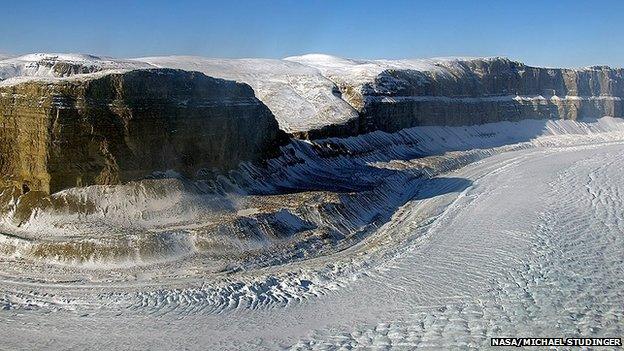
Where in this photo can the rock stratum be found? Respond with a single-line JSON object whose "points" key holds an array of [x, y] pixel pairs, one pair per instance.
{"points": [[392, 95], [86, 146], [458, 221], [109, 128]]}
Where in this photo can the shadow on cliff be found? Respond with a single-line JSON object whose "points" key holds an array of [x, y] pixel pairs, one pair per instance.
{"points": [[350, 164], [368, 194], [429, 188], [358, 215]]}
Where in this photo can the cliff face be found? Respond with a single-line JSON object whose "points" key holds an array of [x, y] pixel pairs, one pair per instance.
{"points": [[111, 128], [124, 122], [392, 95], [317, 96], [300, 97]]}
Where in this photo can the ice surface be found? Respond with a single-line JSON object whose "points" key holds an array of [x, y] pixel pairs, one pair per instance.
{"points": [[432, 237]]}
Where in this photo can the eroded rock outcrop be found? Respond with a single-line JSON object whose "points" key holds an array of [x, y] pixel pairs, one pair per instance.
{"points": [[117, 124], [111, 128]]}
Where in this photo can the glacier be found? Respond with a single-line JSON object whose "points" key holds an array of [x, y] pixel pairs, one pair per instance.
{"points": [[467, 247]]}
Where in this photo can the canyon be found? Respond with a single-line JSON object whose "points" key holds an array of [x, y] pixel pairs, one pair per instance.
{"points": [[338, 200]]}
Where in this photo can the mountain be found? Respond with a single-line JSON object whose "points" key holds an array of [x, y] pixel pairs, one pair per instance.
{"points": [[300, 97]]}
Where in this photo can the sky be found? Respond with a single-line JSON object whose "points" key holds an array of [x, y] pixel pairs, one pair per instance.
{"points": [[544, 33]]}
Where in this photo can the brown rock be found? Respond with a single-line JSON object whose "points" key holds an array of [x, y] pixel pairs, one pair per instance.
{"points": [[107, 129]]}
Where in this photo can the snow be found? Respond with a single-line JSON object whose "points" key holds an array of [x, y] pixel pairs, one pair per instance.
{"points": [[471, 232], [300, 97], [433, 237], [45, 65], [50, 78], [360, 72]]}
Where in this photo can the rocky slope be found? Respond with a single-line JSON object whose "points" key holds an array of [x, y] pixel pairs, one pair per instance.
{"points": [[108, 128], [315, 199]]}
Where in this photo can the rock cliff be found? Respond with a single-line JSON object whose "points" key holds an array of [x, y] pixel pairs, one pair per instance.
{"points": [[392, 95], [109, 121], [300, 97], [108, 128]]}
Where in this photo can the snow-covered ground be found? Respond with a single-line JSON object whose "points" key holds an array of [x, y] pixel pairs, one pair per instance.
{"points": [[299, 96], [48, 66], [359, 72], [516, 231]]}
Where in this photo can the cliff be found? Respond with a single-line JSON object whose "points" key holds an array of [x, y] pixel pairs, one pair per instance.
{"points": [[392, 95], [300, 97], [316, 96], [108, 128], [71, 120]]}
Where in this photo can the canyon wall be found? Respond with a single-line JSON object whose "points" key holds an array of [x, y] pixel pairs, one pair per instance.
{"points": [[392, 95], [73, 120], [115, 127]]}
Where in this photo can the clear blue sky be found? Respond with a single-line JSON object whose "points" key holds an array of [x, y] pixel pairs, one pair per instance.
{"points": [[551, 33]]}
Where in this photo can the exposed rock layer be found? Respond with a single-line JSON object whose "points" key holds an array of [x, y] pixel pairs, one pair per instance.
{"points": [[316, 96], [300, 97], [107, 129]]}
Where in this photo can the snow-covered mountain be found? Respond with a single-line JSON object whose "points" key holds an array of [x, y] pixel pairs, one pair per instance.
{"points": [[300, 97]]}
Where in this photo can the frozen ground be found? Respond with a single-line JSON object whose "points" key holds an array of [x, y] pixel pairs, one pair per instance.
{"points": [[526, 239]]}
